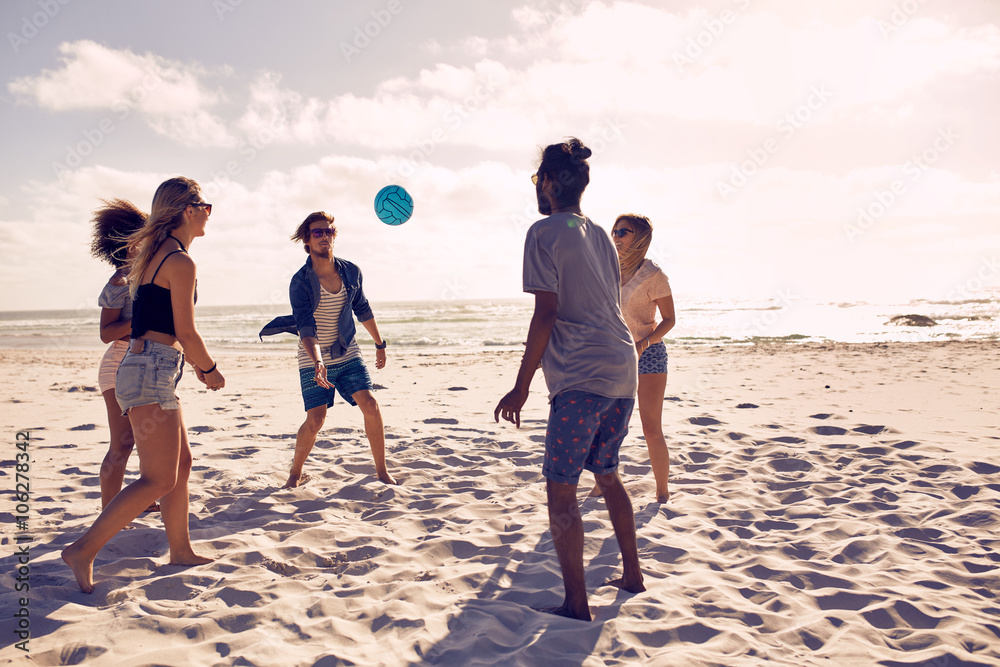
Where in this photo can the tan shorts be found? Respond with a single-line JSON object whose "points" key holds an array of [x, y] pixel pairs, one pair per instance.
{"points": [[109, 364]]}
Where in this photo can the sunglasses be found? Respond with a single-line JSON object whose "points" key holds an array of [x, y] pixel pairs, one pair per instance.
{"points": [[201, 204], [620, 233], [320, 233], [534, 179]]}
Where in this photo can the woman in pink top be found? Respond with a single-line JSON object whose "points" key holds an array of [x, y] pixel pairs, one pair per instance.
{"points": [[646, 290]]}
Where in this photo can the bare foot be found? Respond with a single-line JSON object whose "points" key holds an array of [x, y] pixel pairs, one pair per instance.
{"points": [[155, 507], [630, 586], [595, 492], [662, 497], [83, 569], [564, 610], [295, 481], [386, 478], [190, 558]]}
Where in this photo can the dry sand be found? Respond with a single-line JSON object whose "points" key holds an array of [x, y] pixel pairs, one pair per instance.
{"points": [[831, 505]]}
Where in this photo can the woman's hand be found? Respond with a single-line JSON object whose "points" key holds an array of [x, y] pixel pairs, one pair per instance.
{"points": [[642, 345], [214, 380]]}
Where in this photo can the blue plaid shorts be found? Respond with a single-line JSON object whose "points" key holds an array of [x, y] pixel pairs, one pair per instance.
{"points": [[347, 379]]}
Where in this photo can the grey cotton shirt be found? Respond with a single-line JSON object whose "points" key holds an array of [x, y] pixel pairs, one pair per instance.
{"points": [[590, 348]]}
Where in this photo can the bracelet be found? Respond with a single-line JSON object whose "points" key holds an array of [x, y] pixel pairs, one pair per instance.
{"points": [[214, 366], [382, 346]]}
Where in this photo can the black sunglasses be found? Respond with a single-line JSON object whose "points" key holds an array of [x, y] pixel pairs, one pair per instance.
{"points": [[201, 204], [320, 233], [620, 233]]}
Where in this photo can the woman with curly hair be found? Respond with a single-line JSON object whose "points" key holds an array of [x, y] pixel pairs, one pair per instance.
{"points": [[113, 224], [161, 281]]}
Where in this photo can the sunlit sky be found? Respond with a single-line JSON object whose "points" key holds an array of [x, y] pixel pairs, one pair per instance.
{"points": [[837, 150]]}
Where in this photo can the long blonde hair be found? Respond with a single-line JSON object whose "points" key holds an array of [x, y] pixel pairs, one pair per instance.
{"points": [[631, 259], [171, 199]]}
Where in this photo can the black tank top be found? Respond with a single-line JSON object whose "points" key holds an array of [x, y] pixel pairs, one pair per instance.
{"points": [[152, 310]]}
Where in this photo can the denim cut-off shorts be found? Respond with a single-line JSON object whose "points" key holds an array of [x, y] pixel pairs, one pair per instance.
{"points": [[151, 376], [585, 431], [653, 359], [347, 379]]}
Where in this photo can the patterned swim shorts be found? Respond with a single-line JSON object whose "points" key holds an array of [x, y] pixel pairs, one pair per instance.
{"points": [[654, 359], [584, 432]]}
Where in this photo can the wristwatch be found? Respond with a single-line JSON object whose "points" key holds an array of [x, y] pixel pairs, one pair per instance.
{"points": [[382, 346]]}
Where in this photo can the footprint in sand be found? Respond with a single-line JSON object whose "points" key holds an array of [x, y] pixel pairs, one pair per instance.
{"points": [[982, 468], [84, 427], [703, 421], [873, 430], [828, 430], [790, 465]]}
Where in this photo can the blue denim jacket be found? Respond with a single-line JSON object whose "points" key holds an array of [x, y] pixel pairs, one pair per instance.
{"points": [[304, 295]]}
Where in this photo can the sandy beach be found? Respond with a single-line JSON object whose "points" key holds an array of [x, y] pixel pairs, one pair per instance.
{"points": [[831, 505]]}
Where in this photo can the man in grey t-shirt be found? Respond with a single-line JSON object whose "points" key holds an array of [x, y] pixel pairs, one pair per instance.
{"points": [[578, 334]]}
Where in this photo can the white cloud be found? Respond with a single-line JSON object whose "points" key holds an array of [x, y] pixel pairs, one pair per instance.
{"points": [[750, 69], [92, 76]]}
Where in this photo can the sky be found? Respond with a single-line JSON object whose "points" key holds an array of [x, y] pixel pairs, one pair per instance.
{"points": [[836, 150]]}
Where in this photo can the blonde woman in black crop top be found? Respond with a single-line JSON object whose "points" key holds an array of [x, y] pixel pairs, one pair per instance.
{"points": [[162, 281]]}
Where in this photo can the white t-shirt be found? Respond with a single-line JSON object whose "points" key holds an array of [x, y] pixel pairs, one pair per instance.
{"points": [[327, 316], [590, 348]]}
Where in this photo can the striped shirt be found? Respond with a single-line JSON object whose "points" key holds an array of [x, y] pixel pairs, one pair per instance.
{"points": [[327, 315]]}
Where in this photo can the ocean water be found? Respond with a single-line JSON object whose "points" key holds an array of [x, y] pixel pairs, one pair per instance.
{"points": [[503, 323]]}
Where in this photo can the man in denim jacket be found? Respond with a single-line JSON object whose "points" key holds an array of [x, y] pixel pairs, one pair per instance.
{"points": [[326, 295]]}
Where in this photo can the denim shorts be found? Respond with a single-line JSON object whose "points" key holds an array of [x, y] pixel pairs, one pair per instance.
{"points": [[347, 379], [585, 432], [151, 376], [653, 359]]}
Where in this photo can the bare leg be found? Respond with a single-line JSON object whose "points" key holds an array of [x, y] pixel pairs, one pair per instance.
{"points": [[158, 443], [567, 535], [375, 431], [122, 442], [651, 389], [304, 441], [623, 520], [174, 506]]}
